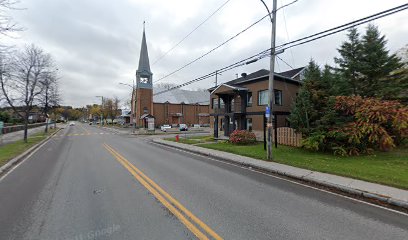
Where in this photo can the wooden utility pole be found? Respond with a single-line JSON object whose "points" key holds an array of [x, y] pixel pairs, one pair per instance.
{"points": [[271, 77]]}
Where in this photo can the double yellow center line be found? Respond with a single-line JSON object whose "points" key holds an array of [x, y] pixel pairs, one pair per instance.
{"points": [[183, 214]]}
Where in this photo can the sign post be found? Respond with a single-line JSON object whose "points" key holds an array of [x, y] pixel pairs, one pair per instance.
{"points": [[150, 124]]}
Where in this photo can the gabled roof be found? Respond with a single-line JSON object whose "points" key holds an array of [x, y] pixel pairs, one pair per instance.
{"points": [[229, 86], [256, 76], [181, 95], [146, 115], [292, 73], [253, 75]]}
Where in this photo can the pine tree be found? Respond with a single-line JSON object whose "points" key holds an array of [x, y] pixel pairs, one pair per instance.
{"points": [[349, 64], [311, 102], [376, 64]]}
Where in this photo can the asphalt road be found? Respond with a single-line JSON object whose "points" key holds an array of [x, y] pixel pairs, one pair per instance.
{"points": [[90, 183]]}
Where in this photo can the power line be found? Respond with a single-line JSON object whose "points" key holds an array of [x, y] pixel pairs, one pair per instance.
{"points": [[184, 38], [212, 50], [287, 64], [294, 43]]}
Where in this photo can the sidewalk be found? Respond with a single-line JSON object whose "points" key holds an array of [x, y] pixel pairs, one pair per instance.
{"points": [[19, 135], [385, 194]]}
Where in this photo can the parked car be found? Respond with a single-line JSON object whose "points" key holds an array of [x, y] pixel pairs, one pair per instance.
{"points": [[165, 127], [183, 127]]}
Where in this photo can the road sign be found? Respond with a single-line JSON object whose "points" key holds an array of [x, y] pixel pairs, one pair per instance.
{"points": [[267, 112]]}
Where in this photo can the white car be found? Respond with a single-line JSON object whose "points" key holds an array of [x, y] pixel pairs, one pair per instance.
{"points": [[72, 124], [165, 127], [183, 127]]}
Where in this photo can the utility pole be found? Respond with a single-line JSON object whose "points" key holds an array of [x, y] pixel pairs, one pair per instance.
{"points": [[269, 110], [216, 78], [101, 120]]}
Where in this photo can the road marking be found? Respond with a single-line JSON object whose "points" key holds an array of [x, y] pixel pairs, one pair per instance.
{"points": [[281, 178], [161, 195], [86, 130]]}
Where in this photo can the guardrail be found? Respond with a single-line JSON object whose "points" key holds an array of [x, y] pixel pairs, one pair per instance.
{"points": [[16, 128]]}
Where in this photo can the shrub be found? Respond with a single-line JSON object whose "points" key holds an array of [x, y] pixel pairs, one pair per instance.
{"points": [[376, 124], [242, 137]]}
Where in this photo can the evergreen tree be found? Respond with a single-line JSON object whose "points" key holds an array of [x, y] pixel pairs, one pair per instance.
{"points": [[330, 81], [349, 64], [311, 102], [377, 64]]}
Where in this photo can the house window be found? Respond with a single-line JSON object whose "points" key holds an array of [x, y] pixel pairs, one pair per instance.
{"points": [[249, 124], [249, 99], [278, 97], [145, 110], [232, 105], [214, 103], [222, 105], [263, 97]]}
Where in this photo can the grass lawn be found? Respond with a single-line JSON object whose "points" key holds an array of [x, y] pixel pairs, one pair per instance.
{"points": [[389, 168], [191, 139], [11, 150]]}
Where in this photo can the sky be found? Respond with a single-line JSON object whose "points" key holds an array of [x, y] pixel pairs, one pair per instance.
{"points": [[96, 43]]}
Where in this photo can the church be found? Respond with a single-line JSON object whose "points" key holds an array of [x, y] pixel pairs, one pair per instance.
{"points": [[173, 108]]}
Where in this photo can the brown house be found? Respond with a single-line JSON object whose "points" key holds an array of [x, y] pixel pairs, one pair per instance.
{"points": [[241, 103]]}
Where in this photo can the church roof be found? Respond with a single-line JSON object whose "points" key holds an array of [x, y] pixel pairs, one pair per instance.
{"points": [[180, 95], [144, 64]]}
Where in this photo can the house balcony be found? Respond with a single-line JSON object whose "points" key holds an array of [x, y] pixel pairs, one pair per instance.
{"points": [[224, 111]]}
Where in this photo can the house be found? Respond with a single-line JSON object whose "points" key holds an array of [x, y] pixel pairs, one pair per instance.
{"points": [[241, 103]]}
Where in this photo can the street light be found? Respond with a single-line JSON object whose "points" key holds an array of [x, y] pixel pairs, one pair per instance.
{"points": [[133, 103], [101, 110], [272, 17]]}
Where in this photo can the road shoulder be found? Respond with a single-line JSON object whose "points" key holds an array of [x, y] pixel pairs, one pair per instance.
{"points": [[16, 160]]}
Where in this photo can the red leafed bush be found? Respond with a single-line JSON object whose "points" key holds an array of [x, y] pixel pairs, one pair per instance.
{"points": [[242, 137], [375, 123]]}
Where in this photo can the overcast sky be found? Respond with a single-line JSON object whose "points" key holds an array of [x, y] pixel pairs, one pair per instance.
{"points": [[96, 43]]}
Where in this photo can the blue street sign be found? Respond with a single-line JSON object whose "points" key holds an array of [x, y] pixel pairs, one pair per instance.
{"points": [[267, 111]]}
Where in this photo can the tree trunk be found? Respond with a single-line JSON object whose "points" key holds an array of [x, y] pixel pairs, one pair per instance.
{"points": [[26, 127], [46, 125]]}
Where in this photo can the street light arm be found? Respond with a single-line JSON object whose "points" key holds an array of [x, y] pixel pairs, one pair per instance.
{"points": [[267, 9], [127, 85]]}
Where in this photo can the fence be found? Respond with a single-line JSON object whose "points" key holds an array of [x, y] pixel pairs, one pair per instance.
{"points": [[16, 128], [288, 136]]}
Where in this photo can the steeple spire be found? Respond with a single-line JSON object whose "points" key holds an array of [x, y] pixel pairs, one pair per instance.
{"points": [[144, 64]]}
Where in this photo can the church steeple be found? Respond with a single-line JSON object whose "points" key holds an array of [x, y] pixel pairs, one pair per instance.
{"points": [[143, 73]]}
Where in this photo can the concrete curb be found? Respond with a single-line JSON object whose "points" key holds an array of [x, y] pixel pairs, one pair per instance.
{"points": [[14, 161], [342, 188]]}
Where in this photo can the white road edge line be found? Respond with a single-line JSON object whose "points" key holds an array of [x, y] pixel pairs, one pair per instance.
{"points": [[288, 180], [22, 161]]}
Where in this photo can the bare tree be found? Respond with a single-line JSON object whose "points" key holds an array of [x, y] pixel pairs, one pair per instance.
{"points": [[20, 79], [115, 108], [50, 96]]}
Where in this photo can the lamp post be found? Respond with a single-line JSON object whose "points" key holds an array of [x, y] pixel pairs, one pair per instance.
{"points": [[272, 17], [101, 110], [133, 103]]}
